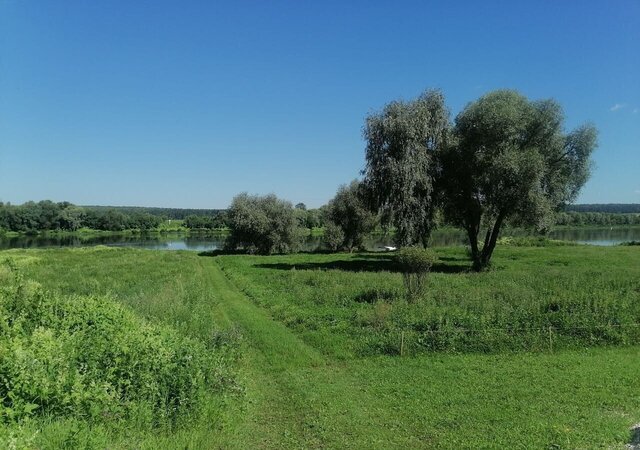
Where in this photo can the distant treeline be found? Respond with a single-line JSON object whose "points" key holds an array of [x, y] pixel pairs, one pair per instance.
{"points": [[164, 213], [596, 219], [46, 215], [181, 214], [195, 222], [614, 208]]}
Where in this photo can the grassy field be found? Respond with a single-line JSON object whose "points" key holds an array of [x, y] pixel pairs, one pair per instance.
{"points": [[536, 297], [303, 337]]}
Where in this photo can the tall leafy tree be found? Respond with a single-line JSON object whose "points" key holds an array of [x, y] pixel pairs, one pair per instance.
{"points": [[350, 218], [511, 161], [402, 143], [263, 224], [72, 218]]}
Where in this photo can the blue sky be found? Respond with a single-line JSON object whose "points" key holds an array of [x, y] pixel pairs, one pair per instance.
{"points": [[185, 104]]}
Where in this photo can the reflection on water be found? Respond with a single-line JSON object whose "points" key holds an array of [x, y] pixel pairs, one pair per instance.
{"points": [[593, 236], [598, 236], [173, 241]]}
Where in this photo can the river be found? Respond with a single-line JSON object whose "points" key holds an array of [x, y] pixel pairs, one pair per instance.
{"points": [[180, 241]]}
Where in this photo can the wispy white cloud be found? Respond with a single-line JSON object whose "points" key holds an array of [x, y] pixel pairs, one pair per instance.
{"points": [[635, 110], [617, 106]]}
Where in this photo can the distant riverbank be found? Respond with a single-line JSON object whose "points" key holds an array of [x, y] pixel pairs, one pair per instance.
{"points": [[206, 240]]}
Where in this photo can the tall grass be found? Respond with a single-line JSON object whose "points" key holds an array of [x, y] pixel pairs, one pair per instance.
{"points": [[342, 304], [89, 366], [540, 298]]}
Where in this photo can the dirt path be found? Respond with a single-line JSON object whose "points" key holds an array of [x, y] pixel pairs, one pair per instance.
{"points": [[277, 414]]}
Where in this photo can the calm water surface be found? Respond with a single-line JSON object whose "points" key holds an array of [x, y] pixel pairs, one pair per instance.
{"points": [[592, 236]]}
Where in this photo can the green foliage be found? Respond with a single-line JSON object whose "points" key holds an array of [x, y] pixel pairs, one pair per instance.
{"points": [[263, 225], [608, 208], [415, 259], [506, 160], [511, 161], [45, 215], [88, 357], [415, 264], [345, 305], [333, 236], [163, 213], [577, 219], [349, 212], [211, 222], [533, 241], [401, 163]]}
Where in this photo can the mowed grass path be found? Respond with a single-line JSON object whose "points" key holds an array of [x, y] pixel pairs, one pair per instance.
{"points": [[299, 397]]}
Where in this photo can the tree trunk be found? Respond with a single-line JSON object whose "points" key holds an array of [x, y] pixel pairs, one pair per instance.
{"points": [[472, 232], [489, 244], [425, 239]]}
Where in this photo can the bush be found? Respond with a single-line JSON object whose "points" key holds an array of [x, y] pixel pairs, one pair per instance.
{"points": [[333, 236], [349, 212], [263, 225], [415, 264], [92, 358], [533, 241]]}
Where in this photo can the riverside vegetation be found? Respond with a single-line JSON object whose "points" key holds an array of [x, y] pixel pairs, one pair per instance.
{"points": [[78, 368], [533, 347], [305, 350]]}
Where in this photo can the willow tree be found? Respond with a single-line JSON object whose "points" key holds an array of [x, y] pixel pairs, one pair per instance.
{"points": [[262, 224], [349, 213], [511, 161], [402, 142]]}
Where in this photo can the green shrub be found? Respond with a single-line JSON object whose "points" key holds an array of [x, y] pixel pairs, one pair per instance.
{"points": [[333, 236], [263, 225], [89, 357], [415, 264], [533, 241]]}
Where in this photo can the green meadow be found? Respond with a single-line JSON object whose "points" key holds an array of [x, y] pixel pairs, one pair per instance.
{"points": [[324, 351]]}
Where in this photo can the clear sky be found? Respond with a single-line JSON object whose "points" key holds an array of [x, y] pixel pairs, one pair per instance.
{"points": [[187, 103]]}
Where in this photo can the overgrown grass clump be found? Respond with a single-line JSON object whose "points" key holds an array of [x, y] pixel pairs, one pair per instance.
{"points": [[415, 264], [535, 299], [90, 358]]}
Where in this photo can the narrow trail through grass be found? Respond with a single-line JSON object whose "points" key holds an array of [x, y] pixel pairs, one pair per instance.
{"points": [[271, 352], [288, 383]]}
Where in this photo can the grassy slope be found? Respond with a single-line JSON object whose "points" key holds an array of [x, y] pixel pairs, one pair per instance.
{"points": [[298, 396]]}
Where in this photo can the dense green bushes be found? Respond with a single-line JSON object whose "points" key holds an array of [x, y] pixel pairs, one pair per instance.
{"points": [[263, 224], [90, 358], [533, 241], [218, 221]]}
